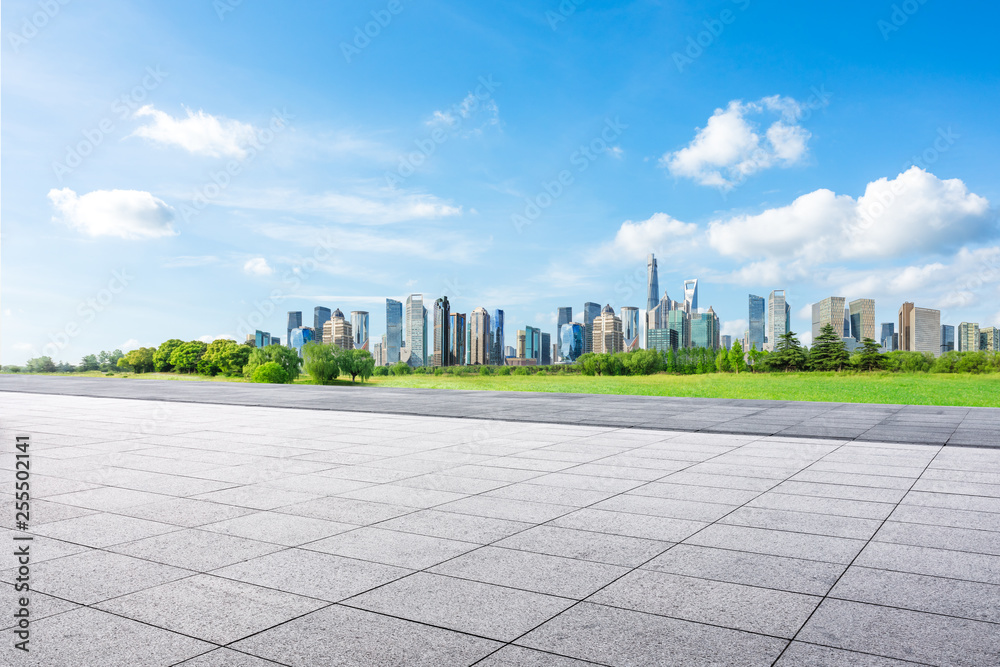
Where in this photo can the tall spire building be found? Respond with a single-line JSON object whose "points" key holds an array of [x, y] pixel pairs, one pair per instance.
{"points": [[652, 283]]}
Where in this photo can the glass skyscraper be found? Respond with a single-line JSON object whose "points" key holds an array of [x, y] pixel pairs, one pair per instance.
{"points": [[294, 322], [497, 352], [572, 346], [887, 339], [691, 294], [630, 327], [563, 316], [359, 329], [393, 330], [532, 344], [862, 314], [757, 319], [442, 333], [457, 342], [299, 337], [416, 329], [546, 349], [947, 338], [591, 311], [778, 316], [321, 315], [652, 284]]}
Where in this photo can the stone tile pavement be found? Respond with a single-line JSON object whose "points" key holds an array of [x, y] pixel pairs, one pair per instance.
{"points": [[207, 535]]}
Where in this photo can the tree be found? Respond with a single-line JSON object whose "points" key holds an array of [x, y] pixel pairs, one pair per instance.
{"points": [[358, 362], [233, 358], [186, 356], [871, 358], [320, 362], [788, 354], [736, 360], [285, 357], [722, 362], [828, 352], [40, 365], [270, 372], [161, 359], [89, 363], [139, 361]]}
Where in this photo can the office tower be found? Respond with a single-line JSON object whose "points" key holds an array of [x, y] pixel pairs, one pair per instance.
{"points": [[532, 344], [691, 295], [919, 329], [442, 333], [757, 319], [886, 338], [522, 344], [563, 315], [829, 311], [679, 321], [662, 340], [546, 349], [294, 322], [726, 342], [416, 329], [378, 354], [497, 352], [778, 314], [298, 337], [947, 338], [862, 319], [320, 316], [359, 328], [337, 330], [479, 337], [591, 311], [607, 335], [652, 283], [968, 337], [705, 330], [457, 341], [572, 341], [393, 330], [261, 338], [509, 352], [275, 340], [989, 339], [847, 323], [630, 327], [468, 343]]}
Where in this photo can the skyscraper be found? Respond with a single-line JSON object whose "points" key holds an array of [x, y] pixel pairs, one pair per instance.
{"points": [[359, 328], [563, 315], [705, 329], [522, 344], [442, 333], [886, 338], [572, 341], [778, 315], [679, 322], [393, 330], [299, 337], [607, 336], [546, 349], [591, 311], [757, 319], [919, 329], [989, 339], [532, 344], [416, 329], [652, 283], [294, 322], [479, 337], [630, 327], [691, 295], [829, 311], [862, 319], [947, 338], [968, 337], [320, 316], [457, 343], [497, 353], [847, 323], [338, 331]]}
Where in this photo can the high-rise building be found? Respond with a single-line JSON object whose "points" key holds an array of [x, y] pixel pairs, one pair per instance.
{"points": [[546, 349], [522, 344], [847, 323], [679, 321], [359, 328], [509, 352], [533, 344], [479, 337], [591, 311], [989, 339], [705, 329], [778, 316], [573, 347], [726, 342], [564, 314], [442, 333], [338, 331], [947, 338], [294, 322], [416, 329], [919, 329], [652, 283], [607, 333], [261, 338], [886, 339], [691, 295], [378, 354], [393, 330], [457, 343], [320, 316], [829, 311], [968, 337], [756, 332], [862, 319], [497, 353], [630, 327], [299, 337], [663, 340]]}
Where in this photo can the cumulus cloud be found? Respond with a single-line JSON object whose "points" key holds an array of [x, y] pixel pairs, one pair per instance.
{"points": [[257, 266], [128, 214], [731, 147], [130, 344], [657, 234], [914, 213], [199, 132]]}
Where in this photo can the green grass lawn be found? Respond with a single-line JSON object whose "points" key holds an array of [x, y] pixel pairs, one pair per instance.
{"points": [[905, 388]]}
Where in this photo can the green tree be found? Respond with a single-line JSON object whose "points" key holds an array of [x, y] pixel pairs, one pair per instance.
{"points": [[722, 362], [270, 372], [828, 352], [871, 357], [233, 358], [402, 368], [186, 356], [162, 357], [40, 365], [736, 360], [358, 363], [89, 363], [285, 357], [320, 362], [138, 361], [788, 354]]}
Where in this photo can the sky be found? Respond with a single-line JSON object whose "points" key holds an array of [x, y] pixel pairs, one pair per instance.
{"points": [[197, 168]]}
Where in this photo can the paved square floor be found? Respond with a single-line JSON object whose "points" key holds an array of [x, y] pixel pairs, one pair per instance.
{"points": [[170, 533]]}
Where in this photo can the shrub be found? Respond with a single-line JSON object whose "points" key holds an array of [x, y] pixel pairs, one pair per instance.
{"points": [[485, 370], [520, 370], [400, 368], [503, 370], [271, 372], [320, 362], [381, 371]]}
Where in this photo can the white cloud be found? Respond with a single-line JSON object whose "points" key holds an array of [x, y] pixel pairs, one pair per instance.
{"points": [[209, 339], [200, 133], [257, 266], [188, 261], [363, 206], [730, 147], [914, 213], [471, 107], [734, 328], [658, 234], [130, 344], [129, 214]]}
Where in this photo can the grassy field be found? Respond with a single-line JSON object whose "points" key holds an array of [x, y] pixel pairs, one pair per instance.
{"points": [[905, 388]]}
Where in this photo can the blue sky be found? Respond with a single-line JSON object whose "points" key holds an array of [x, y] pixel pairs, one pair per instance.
{"points": [[189, 169]]}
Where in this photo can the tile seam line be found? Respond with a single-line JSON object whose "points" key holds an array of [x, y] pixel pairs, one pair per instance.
{"points": [[705, 430]]}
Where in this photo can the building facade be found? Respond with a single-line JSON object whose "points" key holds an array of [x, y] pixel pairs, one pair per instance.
{"points": [[359, 329], [338, 331], [919, 329], [755, 334], [416, 330], [571, 337], [947, 338], [630, 327], [968, 337], [778, 318], [479, 337], [546, 349], [457, 343], [294, 322], [886, 337], [564, 315], [691, 295], [988, 339], [442, 333], [393, 330], [705, 329], [261, 338], [862, 319], [607, 335], [830, 311], [320, 316], [497, 343], [662, 340], [652, 283], [591, 311]]}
